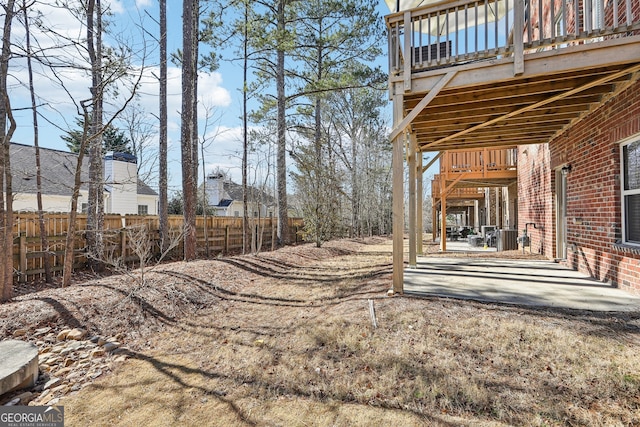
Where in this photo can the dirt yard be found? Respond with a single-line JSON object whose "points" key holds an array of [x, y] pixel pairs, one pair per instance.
{"points": [[286, 339]]}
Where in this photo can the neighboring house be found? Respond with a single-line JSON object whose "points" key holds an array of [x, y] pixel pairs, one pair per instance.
{"points": [[563, 86], [124, 192], [225, 197]]}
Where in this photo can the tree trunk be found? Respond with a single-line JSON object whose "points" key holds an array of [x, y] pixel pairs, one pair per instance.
{"points": [[163, 193], [6, 207], [70, 240], [44, 241], [187, 131], [245, 139], [281, 161], [95, 213]]}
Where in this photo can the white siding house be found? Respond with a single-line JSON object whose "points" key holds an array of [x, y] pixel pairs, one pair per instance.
{"points": [[124, 192], [225, 197]]}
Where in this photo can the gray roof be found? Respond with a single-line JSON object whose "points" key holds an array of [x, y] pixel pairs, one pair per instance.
{"points": [[235, 192], [58, 170]]}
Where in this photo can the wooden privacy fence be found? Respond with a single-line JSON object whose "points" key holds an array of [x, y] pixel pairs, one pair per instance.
{"points": [[215, 235]]}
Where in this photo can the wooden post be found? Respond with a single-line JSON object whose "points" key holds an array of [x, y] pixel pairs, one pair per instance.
{"points": [[123, 244], [22, 277], [398, 198], [411, 160], [226, 239], [434, 221], [518, 38], [408, 54], [420, 191], [443, 212]]}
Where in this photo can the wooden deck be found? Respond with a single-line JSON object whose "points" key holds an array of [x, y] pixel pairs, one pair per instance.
{"points": [[461, 80]]}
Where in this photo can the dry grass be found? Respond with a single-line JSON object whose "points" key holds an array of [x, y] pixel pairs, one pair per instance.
{"points": [[286, 339]]}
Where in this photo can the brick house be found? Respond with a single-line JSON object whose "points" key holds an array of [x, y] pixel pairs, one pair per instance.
{"points": [[560, 80], [582, 189]]}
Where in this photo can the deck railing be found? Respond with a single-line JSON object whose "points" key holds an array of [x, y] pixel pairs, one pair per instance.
{"points": [[457, 31], [480, 162], [471, 193]]}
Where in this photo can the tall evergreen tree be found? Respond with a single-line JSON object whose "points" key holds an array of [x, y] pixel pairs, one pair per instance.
{"points": [[336, 38], [113, 139]]}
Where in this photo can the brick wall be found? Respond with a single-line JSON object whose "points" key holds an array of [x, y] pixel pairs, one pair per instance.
{"points": [[535, 198], [592, 149]]}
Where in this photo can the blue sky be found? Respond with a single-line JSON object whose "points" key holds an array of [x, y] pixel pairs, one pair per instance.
{"points": [[218, 90]]}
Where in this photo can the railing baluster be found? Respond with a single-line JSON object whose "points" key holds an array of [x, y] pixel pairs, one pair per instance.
{"points": [[629, 13], [438, 39], [486, 26], [429, 38], [540, 22], [457, 26], [552, 18], [576, 19], [476, 27], [466, 31], [420, 48], [564, 20], [495, 29], [506, 19], [446, 45]]}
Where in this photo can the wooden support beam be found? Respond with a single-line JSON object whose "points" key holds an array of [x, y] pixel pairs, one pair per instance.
{"points": [[443, 217], [420, 191], [431, 162], [412, 164], [402, 125], [533, 106], [449, 187], [408, 54], [398, 201], [518, 38]]}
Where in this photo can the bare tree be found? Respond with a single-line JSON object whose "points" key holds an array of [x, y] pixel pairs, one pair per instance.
{"points": [[162, 180], [6, 197], [95, 208], [188, 132], [140, 131], [44, 241], [212, 119]]}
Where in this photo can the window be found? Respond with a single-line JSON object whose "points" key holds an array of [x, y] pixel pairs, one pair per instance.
{"points": [[236, 213], [630, 163], [85, 208], [143, 210]]}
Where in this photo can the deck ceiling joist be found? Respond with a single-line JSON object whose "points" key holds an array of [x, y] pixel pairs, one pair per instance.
{"points": [[480, 108]]}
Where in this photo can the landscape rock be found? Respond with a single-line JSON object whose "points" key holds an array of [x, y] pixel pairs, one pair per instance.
{"points": [[62, 335], [19, 332], [52, 383], [98, 352], [111, 345], [42, 331], [76, 334], [25, 397], [12, 402], [68, 361]]}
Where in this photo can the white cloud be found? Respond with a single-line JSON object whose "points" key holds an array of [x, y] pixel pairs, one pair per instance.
{"points": [[143, 3], [114, 6]]}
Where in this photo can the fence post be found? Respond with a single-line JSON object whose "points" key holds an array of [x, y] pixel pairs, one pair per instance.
{"points": [[123, 244], [22, 277], [226, 239]]}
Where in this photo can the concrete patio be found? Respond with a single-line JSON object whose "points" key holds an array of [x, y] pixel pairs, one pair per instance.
{"points": [[521, 282]]}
